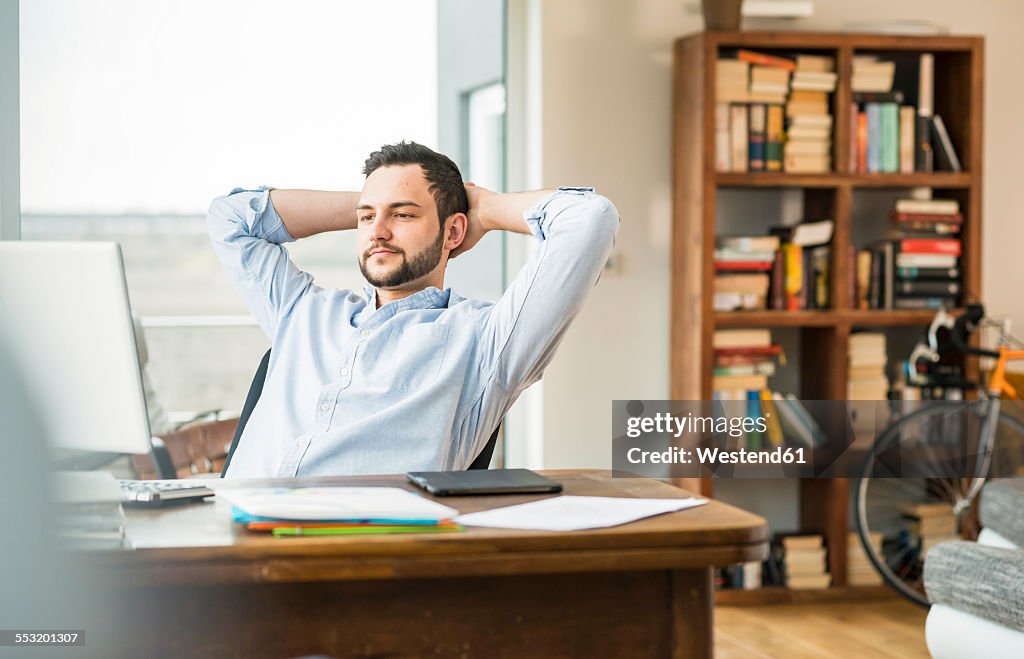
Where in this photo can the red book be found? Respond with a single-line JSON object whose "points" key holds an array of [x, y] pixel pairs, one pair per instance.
{"points": [[955, 218], [743, 266], [862, 142], [759, 350], [766, 60], [948, 246], [742, 360]]}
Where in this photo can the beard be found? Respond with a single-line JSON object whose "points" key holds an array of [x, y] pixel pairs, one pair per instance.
{"points": [[408, 270]]}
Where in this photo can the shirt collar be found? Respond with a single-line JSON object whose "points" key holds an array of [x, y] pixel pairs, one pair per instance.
{"points": [[429, 298]]}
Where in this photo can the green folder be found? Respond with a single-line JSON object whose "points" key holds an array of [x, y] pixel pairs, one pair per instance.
{"points": [[361, 530]]}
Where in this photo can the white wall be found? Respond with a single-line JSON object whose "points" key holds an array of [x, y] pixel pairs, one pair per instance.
{"points": [[605, 114]]}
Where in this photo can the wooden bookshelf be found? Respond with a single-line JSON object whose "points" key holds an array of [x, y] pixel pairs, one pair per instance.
{"points": [[823, 333]]}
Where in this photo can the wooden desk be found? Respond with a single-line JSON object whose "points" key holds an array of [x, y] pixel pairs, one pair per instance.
{"points": [[198, 586]]}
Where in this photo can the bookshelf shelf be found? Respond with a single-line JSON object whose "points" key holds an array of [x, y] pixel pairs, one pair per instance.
{"points": [[701, 211], [775, 180], [950, 180], [823, 318], [771, 318]]}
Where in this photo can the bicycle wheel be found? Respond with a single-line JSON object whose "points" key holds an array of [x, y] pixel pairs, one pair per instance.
{"points": [[930, 460]]}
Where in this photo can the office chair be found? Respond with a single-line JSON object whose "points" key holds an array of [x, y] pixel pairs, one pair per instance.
{"points": [[482, 461]]}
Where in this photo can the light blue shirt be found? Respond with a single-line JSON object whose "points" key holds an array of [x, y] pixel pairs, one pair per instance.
{"points": [[418, 384]]}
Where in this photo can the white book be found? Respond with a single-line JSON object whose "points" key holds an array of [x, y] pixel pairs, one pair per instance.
{"points": [[928, 206], [722, 149]]}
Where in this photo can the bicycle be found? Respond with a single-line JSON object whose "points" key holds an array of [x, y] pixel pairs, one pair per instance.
{"points": [[935, 459]]}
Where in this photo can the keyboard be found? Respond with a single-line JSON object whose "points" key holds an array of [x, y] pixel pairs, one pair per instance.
{"points": [[161, 493]]}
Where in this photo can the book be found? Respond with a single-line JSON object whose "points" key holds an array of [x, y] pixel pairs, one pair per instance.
{"points": [[738, 147], [944, 261], [923, 159], [747, 351], [729, 254], [741, 338], [793, 255], [862, 142], [914, 273], [733, 382], [809, 582], [874, 112], [878, 97], [950, 246], [945, 155], [872, 75], [336, 504], [801, 164], [889, 144], [773, 427], [928, 206], [924, 303], [937, 218], [749, 243], [742, 266], [906, 132], [863, 278], [812, 232], [722, 149], [815, 63], [802, 541], [773, 139], [765, 60], [757, 136]]}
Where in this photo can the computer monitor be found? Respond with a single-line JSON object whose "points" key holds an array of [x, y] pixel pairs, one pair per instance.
{"points": [[65, 316]]}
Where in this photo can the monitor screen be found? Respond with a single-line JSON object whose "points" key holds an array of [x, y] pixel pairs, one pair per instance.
{"points": [[66, 319]]}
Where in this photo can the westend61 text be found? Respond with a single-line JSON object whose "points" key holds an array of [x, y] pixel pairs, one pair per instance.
{"points": [[717, 456]]}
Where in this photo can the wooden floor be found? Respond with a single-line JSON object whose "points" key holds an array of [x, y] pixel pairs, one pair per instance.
{"points": [[882, 628]]}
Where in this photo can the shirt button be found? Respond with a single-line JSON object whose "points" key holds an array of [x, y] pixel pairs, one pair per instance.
{"points": [[344, 371], [365, 332], [325, 407], [298, 442]]}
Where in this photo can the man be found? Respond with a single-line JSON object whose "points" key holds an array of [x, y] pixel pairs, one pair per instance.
{"points": [[412, 376]]}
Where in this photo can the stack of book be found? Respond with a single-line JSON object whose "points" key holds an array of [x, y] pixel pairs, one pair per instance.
{"points": [[314, 511], [932, 523], [804, 562], [808, 147], [742, 267], [867, 361], [756, 94], [889, 136], [741, 576], [870, 74], [859, 570], [744, 359], [918, 267]]}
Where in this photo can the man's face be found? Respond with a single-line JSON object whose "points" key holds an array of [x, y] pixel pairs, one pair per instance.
{"points": [[400, 239]]}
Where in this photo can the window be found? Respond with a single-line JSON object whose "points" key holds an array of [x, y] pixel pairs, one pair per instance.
{"points": [[135, 115]]}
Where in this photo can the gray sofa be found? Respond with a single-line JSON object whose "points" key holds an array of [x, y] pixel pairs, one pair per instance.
{"points": [[977, 588]]}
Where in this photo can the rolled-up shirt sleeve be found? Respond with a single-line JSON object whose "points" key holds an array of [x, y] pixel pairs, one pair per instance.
{"points": [[248, 236], [576, 231]]}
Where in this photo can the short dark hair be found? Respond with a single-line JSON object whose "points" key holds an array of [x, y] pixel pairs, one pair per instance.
{"points": [[443, 176]]}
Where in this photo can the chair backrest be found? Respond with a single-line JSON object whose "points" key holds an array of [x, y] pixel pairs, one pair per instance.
{"points": [[482, 461]]}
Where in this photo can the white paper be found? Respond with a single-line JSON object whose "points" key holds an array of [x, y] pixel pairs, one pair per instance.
{"points": [[572, 513], [335, 503]]}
